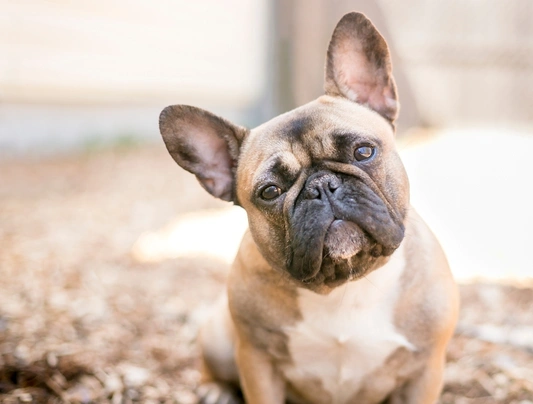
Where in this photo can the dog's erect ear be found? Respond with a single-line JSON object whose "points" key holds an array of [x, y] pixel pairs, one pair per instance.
{"points": [[203, 144], [358, 66]]}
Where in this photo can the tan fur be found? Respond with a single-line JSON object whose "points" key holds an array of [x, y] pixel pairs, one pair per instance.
{"points": [[262, 302], [368, 326]]}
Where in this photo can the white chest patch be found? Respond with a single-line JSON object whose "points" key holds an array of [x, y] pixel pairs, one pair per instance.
{"points": [[346, 335]]}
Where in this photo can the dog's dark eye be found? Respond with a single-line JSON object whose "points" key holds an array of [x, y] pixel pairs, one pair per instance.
{"points": [[364, 153], [270, 192]]}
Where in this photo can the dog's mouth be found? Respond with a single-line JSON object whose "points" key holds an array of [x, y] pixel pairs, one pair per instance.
{"points": [[343, 240], [348, 253], [343, 233]]}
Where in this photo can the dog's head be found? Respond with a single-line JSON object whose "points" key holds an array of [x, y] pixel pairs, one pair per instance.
{"points": [[325, 191]]}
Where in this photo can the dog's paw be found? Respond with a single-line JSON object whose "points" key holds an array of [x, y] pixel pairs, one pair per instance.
{"points": [[216, 393]]}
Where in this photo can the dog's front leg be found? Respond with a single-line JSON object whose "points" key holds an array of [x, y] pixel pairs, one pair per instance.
{"points": [[425, 388], [260, 382]]}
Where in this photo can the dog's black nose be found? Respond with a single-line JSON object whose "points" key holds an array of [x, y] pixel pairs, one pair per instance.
{"points": [[319, 184]]}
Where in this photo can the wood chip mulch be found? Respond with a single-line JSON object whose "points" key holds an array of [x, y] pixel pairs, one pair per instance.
{"points": [[82, 321]]}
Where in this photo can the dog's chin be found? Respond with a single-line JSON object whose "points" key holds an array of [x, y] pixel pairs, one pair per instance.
{"points": [[349, 253], [344, 240]]}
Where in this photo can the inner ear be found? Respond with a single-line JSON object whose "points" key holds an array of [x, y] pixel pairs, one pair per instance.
{"points": [[204, 144], [359, 68]]}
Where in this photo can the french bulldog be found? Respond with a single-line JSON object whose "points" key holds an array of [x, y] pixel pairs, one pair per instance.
{"points": [[339, 292]]}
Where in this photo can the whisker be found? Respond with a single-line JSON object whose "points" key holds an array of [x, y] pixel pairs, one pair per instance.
{"points": [[372, 283], [343, 293]]}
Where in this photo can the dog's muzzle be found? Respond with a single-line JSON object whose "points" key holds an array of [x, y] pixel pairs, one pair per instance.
{"points": [[337, 220]]}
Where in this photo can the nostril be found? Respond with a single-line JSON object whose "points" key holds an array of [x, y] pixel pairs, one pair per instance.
{"points": [[313, 193], [333, 185]]}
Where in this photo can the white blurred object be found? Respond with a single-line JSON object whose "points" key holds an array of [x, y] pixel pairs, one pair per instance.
{"points": [[215, 232], [75, 75], [133, 51], [474, 188]]}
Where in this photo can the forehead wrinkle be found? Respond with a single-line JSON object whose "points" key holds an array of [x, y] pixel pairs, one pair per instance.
{"points": [[286, 160], [300, 153], [298, 127], [316, 144], [292, 194], [321, 145]]}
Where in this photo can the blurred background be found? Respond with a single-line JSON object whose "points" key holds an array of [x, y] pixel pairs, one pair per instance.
{"points": [[77, 73], [110, 255]]}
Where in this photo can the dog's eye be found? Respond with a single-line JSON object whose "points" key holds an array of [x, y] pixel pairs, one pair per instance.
{"points": [[270, 192], [364, 153]]}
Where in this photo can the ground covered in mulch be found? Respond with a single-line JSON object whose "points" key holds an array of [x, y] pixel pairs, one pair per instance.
{"points": [[83, 320]]}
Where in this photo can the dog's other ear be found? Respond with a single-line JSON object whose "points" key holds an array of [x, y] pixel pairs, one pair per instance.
{"points": [[358, 66], [203, 144]]}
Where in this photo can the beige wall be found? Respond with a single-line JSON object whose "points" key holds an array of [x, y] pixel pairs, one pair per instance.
{"points": [[456, 62], [79, 73], [470, 62], [132, 51]]}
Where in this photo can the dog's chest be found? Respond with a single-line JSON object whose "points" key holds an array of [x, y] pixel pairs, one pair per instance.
{"points": [[345, 336]]}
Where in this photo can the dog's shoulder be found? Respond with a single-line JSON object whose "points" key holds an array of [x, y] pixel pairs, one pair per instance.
{"points": [[261, 300], [430, 301]]}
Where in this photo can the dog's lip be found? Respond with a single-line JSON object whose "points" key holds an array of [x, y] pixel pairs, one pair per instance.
{"points": [[343, 240], [335, 221]]}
